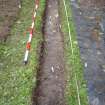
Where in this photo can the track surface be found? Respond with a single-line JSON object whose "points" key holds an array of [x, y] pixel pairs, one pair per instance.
{"points": [[89, 17], [8, 12], [51, 82]]}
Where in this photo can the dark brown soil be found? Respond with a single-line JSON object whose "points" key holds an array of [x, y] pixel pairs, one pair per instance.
{"points": [[8, 12], [51, 82]]}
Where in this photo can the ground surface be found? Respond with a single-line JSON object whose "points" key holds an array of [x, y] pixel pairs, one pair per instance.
{"points": [[51, 79], [76, 84], [16, 79], [8, 13], [92, 3], [89, 19]]}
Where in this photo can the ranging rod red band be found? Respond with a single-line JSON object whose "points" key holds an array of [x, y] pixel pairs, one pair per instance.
{"points": [[28, 46], [36, 2]]}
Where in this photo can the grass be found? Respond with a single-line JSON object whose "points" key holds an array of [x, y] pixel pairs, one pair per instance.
{"points": [[16, 79], [73, 61]]}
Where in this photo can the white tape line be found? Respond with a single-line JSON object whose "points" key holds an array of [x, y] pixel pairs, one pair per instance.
{"points": [[70, 38], [79, 102]]}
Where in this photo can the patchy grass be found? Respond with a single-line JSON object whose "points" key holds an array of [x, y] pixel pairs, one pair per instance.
{"points": [[73, 62], [16, 79]]}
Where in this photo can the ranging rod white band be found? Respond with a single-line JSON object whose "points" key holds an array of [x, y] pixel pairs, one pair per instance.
{"points": [[35, 14], [30, 38], [26, 56], [32, 25], [36, 6]]}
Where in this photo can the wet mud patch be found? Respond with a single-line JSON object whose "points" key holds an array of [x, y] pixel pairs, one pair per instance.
{"points": [[8, 13], [89, 20], [50, 78]]}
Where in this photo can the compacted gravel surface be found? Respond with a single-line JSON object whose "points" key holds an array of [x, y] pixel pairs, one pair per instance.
{"points": [[89, 18]]}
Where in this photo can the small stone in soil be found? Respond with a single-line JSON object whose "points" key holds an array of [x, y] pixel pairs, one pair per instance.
{"points": [[80, 13], [54, 31], [56, 15], [20, 6], [86, 64], [99, 53], [104, 70], [49, 6], [52, 69]]}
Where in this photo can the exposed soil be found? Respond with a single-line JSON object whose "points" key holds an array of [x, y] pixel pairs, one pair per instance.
{"points": [[51, 78], [89, 19], [92, 3], [8, 12]]}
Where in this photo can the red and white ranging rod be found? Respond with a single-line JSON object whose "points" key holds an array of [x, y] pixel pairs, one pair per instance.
{"points": [[28, 45]]}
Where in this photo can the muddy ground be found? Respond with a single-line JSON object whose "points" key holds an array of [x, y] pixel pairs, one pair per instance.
{"points": [[8, 13], [51, 79], [92, 3], [89, 18]]}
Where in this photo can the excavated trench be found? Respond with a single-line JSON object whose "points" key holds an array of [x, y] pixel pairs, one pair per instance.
{"points": [[50, 77]]}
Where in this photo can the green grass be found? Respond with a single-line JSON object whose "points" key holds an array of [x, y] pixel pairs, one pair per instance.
{"points": [[73, 61], [16, 79]]}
